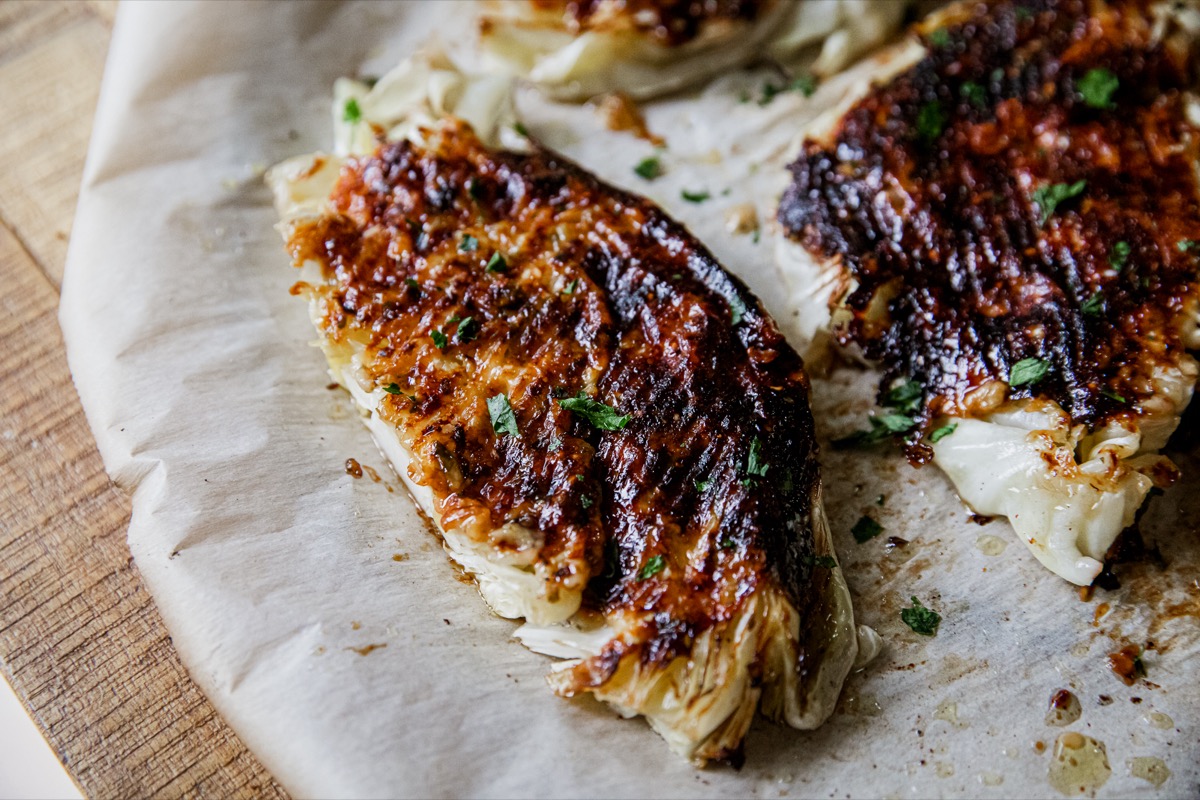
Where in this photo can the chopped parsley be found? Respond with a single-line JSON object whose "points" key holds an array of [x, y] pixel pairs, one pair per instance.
{"points": [[571, 287], [392, 388], [973, 93], [501, 412], [695, 197], [942, 432], [603, 417], [648, 168], [585, 501], [1050, 196], [412, 284], [828, 562], [468, 244], [521, 129], [351, 112], [931, 121], [804, 84], [737, 309], [439, 339], [865, 529], [921, 619], [1097, 86], [497, 263], [467, 329], [1028, 372], [1118, 255], [654, 565], [474, 189], [755, 466], [555, 444], [1183, 245], [906, 397], [701, 485], [756, 236], [1111, 395], [1093, 305], [727, 543], [882, 426], [939, 38]]}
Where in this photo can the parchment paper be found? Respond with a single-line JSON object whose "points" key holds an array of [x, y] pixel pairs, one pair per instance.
{"points": [[320, 615]]}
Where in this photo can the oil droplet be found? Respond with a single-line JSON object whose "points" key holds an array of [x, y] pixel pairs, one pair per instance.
{"points": [[943, 769], [1149, 769], [1079, 764], [1159, 720], [947, 711], [1064, 709], [991, 778], [353, 468], [990, 545]]}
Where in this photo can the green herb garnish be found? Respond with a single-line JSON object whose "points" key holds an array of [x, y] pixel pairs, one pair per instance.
{"points": [[392, 388], [555, 444], [351, 112], [1111, 395], [701, 485], [727, 543], [695, 197], [497, 263], [1183, 245], [474, 189], [1050, 196], [412, 284], [921, 619], [939, 38], [648, 168], [521, 129], [468, 244], [501, 412], [467, 329], [906, 397], [1118, 255], [1093, 305], [1028, 372], [439, 339], [973, 93], [931, 121], [755, 466], [654, 565], [828, 562], [865, 529], [737, 309], [571, 287], [585, 501], [942, 432], [1097, 86], [882, 427], [602, 417]]}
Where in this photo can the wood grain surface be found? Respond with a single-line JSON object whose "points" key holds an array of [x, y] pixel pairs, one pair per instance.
{"points": [[80, 639]]}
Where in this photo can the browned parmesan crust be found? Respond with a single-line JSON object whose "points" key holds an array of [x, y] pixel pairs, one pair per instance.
{"points": [[698, 514], [931, 193], [671, 22]]}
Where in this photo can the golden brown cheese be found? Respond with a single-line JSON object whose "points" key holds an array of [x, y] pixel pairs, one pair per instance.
{"points": [[671, 22]]}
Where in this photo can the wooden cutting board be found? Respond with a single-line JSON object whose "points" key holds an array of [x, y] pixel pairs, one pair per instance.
{"points": [[80, 639]]}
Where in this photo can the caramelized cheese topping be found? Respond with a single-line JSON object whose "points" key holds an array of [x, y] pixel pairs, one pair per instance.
{"points": [[1026, 191], [572, 287], [672, 22]]}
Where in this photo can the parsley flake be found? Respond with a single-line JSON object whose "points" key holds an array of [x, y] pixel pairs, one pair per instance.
{"points": [[555, 444], [412, 284], [602, 417], [755, 466], [727, 543], [931, 121], [942, 432], [468, 244], [1028, 372], [865, 529], [351, 112], [475, 189], [973, 93], [1049, 197], [1097, 86], [521, 129], [392, 388], [654, 565], [1118, 255], [737, 309], [882, 427], [1183, 245], [497, 263], [701, 485], [648, 168], [1111, 395], [695, 197], [501, 412], [921, 619], [439, 339], [939, 38], [1093, 305], [571, 287], [467, 329], [906, 397], [826, 562], [585, 501]]}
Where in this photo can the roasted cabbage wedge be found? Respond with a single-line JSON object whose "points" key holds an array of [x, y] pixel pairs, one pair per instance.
{"points": [[577, 50], [1006, 221], [608, 431]]}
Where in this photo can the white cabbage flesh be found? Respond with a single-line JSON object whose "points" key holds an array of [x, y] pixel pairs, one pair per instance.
{"points": [[521, 39], [1067, 494], [703, 703]]}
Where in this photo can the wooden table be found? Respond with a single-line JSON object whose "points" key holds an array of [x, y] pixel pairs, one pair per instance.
{"points": [[80, 638]]}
